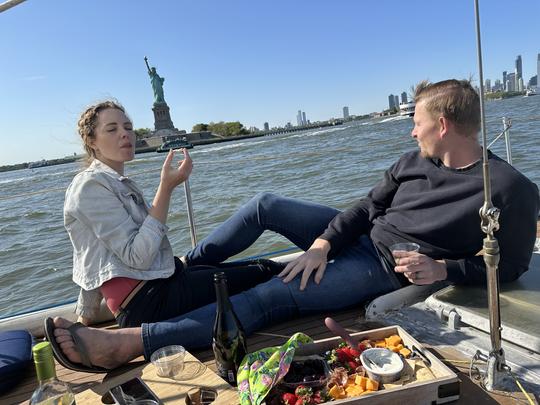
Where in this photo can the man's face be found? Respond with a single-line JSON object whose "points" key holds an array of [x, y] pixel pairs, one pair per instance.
{"points": [[426, 131]]}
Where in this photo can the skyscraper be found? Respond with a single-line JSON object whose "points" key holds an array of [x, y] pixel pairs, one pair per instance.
{"points": [[304, 121], [404, 97], [504, 81], [396, 101], [511, 82], [345, 113], [391, 102], [519, 69], [299, 118], [266, 126], [488, 86]]}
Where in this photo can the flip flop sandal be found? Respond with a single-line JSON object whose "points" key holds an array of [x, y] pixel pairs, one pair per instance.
{"points": [[86, 366]]}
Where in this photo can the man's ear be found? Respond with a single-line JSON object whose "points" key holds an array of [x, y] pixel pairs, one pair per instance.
{"points": [[444, 126]]}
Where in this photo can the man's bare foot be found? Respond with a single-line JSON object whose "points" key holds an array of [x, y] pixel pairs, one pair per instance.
{"points": [[106, 348]]}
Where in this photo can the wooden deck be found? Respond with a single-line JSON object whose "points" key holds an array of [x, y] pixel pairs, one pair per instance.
{"points": [[313, 326]]}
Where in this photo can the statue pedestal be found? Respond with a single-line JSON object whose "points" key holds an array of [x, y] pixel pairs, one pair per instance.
{"points": [[162, 117]]}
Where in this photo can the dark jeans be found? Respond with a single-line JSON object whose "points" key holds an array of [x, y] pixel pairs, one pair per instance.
{"points": [[188, 289]]}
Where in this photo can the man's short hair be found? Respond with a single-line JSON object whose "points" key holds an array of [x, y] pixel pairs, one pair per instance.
{"points": [[455, 100]]}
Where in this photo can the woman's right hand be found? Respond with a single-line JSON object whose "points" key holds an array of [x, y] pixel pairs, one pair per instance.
{"points": [[173, 176]]}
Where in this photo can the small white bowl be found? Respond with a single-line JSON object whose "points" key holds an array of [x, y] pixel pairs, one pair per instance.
{"points": [[169, 360], [382, 365]]}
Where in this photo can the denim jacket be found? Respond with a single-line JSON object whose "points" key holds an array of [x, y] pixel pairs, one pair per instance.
{"points": [[107, 220]]}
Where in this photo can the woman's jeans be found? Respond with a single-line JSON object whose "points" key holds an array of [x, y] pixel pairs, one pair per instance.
{"points": [[353, 277]]}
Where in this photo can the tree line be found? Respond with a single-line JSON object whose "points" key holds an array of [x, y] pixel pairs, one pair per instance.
{"points": [[233, 128]]}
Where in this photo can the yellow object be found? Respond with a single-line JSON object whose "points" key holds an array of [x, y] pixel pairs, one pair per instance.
{"points": [[361, 381], [372, 385], [337, 392], [405, 352], [353, 390], [392, 341], [380, 343]]}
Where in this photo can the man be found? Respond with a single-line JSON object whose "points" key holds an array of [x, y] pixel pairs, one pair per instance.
{"points": [[430, 197], [433, 196]]}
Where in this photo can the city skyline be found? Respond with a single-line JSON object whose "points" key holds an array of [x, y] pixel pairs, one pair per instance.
{"points": [[234, 62]]}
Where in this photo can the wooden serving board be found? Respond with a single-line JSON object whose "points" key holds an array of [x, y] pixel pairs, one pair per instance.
{"points": [[443, 387], [195, 374]]}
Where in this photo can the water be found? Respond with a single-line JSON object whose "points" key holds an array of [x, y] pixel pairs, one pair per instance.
{"points": [[332, 166]]}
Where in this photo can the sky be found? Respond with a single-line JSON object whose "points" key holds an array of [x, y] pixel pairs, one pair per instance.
{"points": [[251, 61]]}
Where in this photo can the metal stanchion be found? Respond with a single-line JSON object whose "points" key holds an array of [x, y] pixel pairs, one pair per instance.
{"points": [[506, 125], [191, 220], [496, 367]]}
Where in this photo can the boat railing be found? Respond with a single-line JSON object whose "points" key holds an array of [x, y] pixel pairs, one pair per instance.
{"points": [[507, 124]]}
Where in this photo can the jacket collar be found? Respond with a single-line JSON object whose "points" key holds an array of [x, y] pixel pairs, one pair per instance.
{"points": [[98, 166]]}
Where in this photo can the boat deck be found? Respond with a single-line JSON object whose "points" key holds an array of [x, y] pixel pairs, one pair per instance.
{"points": [[353, 320], [313, 326]]}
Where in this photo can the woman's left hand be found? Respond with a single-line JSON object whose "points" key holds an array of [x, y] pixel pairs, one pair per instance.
{"points": [[418, 268], [173, 176]]}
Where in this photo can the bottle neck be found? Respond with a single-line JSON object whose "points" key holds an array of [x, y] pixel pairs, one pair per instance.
{"points": [[45, 370], [222, 295]]}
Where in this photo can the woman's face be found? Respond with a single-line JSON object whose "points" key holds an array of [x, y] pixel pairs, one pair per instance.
{"points": [[114, 140]]}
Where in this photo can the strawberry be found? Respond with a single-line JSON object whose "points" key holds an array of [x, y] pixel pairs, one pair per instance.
{"points": [[289, 398], [300, 401], [354, 353], [342, 355], [352, 364], [302, 391], [316, 398]]}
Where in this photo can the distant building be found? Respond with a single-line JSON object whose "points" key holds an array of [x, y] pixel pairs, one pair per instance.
{"points": [[404, 97], [533, 82], [504, 81], [391, 102], [304, 121], [538, 72], [521, 87], [396, 101], [497, 86], [488, 86], [511, 82], [288, 125], [345, 113], [266, 126], [299, 118], [519, 69]]}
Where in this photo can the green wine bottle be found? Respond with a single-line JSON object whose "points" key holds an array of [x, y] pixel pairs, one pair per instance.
{"points": [[229, 339], [51, 390]]}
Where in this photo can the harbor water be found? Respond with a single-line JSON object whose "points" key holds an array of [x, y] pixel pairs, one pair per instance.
{"points": [[332, 166]]}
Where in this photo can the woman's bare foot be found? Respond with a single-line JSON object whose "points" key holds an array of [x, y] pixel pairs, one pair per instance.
{"points": [[106, 348]]}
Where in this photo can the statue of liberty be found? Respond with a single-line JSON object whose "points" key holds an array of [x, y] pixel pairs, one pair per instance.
{"points": [[157, 83]]}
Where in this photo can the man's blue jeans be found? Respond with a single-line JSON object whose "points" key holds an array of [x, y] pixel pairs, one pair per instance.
{"points": [[353, 277]]}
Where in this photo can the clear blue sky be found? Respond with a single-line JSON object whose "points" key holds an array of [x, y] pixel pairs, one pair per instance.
{"points": [[246, 60]]}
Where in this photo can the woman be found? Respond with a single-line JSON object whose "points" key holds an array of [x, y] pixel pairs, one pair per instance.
{"points": [[120, 244], [120, 248]]}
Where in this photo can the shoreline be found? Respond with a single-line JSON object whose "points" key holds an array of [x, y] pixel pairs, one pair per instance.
{"points": [[71, 159]]}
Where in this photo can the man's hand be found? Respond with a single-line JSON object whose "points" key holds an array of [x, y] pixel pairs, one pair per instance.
{"points": [[173, 176], [313, 259], [418, 268]]}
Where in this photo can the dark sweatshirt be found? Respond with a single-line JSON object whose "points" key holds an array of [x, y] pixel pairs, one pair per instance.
{"points": [[421, 200]]}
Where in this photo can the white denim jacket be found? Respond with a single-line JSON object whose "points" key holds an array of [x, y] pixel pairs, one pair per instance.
{"points": [[112, 234]]}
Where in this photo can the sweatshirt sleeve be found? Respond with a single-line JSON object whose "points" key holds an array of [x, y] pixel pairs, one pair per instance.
{"points": [[516, 237], [355, 221]]}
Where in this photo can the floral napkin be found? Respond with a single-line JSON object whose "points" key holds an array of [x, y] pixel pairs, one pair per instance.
{"points": [[261, 370]]}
